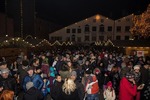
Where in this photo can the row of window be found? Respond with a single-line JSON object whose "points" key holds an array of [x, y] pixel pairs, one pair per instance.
{"points": [[87, 38], [94, 29]]}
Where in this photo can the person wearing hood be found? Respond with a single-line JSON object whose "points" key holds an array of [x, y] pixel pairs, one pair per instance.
{"points": [[32, 93], [128, 87]]}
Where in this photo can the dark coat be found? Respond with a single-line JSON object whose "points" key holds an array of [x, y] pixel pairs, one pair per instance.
{"points": [[73, 96], [80, 89], [9, 83], [56, 90], [33, 94]]}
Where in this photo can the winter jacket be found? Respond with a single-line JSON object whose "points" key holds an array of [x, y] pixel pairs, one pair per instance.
{"points": [[56, 90], [36, 79], [92, 85], [73, 96], [9, 83], [80, 89], [127, 90], [33, 94]]}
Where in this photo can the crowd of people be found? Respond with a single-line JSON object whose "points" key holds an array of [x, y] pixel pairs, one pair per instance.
{"points": [[75, 74]]}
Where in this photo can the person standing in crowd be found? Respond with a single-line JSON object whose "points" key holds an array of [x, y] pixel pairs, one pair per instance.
{"points": [[128, 87], [145, 78], [7, 95], [79, 85], [56, 91], [115, 79], [9, 83], [69, 90], [138, 80], [109, 92], [146, 94], [91, 86], [32, 93], [32, 77]]}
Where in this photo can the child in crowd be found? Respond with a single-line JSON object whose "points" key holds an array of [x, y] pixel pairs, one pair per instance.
{"points": [[109, 92]]}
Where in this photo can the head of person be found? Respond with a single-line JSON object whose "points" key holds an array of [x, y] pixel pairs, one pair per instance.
{"points": [[97, 71], [36, 61], [130, 76], [73, 75], [3, 64], [87, 72], [69, 64], [29, 85], [146, 66], [137, 68], [7, 95], [30, 71], [109, 85], [58, 78], [38, 70], [5, 73], [68, 86]]}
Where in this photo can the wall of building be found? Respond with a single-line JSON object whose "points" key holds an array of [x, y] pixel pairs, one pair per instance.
{"points": [[100, 28]]}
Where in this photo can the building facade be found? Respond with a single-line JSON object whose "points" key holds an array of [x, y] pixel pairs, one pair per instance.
{"points": [[95, 28]]}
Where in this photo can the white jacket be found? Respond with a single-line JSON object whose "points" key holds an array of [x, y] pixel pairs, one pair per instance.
{"points": [[109, 95]]}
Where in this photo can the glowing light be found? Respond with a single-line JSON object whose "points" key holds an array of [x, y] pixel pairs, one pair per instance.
{"points": [[97, 17]]}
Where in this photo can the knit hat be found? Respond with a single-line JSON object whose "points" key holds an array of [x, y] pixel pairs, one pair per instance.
{"points": [[136, 67], [109, 84], [74, 73], [6, 70], [29, 85], [130, 75]]}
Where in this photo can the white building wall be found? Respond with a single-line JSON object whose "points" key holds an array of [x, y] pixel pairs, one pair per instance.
{"points": [[123, 22], [96, 21]]}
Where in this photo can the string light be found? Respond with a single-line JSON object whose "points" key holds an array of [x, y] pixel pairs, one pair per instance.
{"points": [[141, 24]]}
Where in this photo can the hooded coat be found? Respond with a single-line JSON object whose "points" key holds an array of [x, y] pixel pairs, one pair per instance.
{"points": [[127, 90], [33, 94]]}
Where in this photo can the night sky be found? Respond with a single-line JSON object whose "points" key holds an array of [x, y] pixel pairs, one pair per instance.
{"points": [[65, 12]]}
